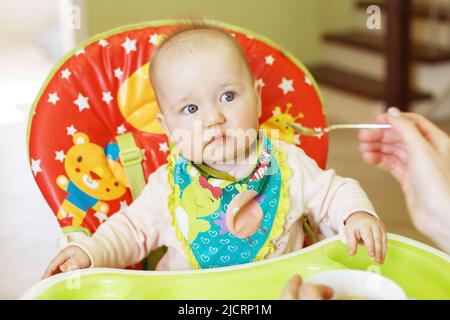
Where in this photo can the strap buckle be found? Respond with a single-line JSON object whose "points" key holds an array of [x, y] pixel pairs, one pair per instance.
{"points": [[131, 156]]}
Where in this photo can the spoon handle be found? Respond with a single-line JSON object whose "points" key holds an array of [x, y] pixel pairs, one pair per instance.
{"points": [[320, 131], [357, 126]]}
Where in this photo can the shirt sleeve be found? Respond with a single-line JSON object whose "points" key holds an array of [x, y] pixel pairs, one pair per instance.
{"points": [[331, 199], [130, 234]]}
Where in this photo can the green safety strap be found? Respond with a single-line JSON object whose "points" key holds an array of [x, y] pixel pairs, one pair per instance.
{"points": [[131, 157]]}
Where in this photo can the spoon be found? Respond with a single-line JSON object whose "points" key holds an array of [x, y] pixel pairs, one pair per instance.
{"points": [[321, 131]]}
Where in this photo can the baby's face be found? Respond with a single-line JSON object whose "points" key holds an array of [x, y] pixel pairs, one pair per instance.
{"points": [[210, 105]]}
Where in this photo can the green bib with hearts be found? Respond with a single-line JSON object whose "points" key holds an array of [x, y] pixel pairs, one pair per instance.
{"points": [[223, 222]]}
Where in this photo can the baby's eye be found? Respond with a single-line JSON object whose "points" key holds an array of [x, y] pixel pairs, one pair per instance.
{"points": [[189, 109], [228, 96]]}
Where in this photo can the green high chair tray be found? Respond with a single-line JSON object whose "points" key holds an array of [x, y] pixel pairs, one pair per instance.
{"points": [[422, 272]]}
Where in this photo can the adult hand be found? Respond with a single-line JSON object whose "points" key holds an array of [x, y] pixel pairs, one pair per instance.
{"points": [[296, 290], [417, 154]]}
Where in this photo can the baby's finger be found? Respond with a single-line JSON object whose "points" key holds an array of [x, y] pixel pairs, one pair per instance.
{"points": [[69, 265], [352, 242], [377, 243], [53, 267], [366, 235]]}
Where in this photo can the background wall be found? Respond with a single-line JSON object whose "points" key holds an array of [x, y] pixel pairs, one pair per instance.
{"points": [[294, 24]]}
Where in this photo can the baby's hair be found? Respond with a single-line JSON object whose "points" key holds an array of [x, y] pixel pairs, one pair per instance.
{"points": [[193, 24]]}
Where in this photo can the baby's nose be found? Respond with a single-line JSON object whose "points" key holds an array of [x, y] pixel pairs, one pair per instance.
{"points": [[214, 118]]}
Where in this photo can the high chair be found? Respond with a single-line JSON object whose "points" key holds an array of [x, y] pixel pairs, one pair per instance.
{"points": [[93, 140]]}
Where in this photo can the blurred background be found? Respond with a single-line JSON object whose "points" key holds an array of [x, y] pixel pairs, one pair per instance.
{"points": [[362, 62]]}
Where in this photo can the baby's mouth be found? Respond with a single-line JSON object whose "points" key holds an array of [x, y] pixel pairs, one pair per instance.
{"points": [[218, 139]]}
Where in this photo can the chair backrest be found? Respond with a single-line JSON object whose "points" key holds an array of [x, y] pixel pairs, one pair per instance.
{"points": [[101, 90]]}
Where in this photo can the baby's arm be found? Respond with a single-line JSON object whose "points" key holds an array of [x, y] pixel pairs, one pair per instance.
{"points": [[341, 204], [123, 240]]}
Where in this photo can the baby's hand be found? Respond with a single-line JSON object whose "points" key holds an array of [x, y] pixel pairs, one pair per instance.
{"points": [[363, 227], [68, 259]]}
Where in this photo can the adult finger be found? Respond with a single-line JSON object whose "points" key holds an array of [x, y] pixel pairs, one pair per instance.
{"points": [[391, 149], [315, 292], [379, 135], [387, 162], [428, 129], [413, 139], [291, 289]]}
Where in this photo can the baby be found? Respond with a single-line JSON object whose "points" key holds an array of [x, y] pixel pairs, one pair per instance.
{"points": [[229, 195]]}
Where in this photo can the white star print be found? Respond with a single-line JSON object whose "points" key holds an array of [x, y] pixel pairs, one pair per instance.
{"points": [[36, 166], [81, 51], [103, 43], [163, 147], [286, 85], [121, 129], [154, 39], [233, 34], [260, 83], [65, 74], [71, 130], [118, 73], [269, 59], [308, 81], [82, 102], [59, 155], [129, 45], [123, 204], [53, 98], [107, 97], [249, 36]]}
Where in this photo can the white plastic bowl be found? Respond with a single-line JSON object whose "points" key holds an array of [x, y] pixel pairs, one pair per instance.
{"points": [[355, 284]]}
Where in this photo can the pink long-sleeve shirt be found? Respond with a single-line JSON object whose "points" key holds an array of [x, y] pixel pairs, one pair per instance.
{"points": [[129, 235]]}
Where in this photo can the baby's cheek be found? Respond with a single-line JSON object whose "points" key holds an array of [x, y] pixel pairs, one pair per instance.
{"points": [[190, 150], [188, 139]]}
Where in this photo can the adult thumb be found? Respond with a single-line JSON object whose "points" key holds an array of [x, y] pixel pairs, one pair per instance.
{"points": [[411, 136]]}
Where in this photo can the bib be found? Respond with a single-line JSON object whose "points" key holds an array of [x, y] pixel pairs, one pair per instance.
{"points": [[223, 222]]}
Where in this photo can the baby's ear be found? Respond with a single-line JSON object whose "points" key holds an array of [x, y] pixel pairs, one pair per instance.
{"points": [[258, 89], [162, 123]]}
